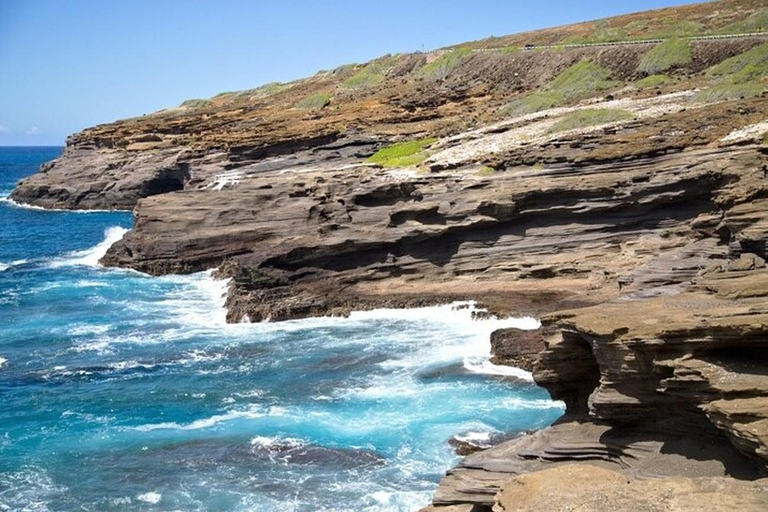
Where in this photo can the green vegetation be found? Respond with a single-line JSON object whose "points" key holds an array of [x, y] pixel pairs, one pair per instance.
{"points": [[741, 76], [371, 74], [368, 76], [582, 80], [590, 117], [672, 53], [486, 171], [534, 102], [344, 70], [672, 27], [745, 67], [196, 103], [728, 92], [316, 101], [665, 28], [403, 154], [757, 22], [652, 81], [506, 50], [265, 90], [602, 33], [440, 68]]}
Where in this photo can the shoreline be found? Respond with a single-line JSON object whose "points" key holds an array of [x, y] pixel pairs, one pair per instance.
{"points": [[616, 195]]}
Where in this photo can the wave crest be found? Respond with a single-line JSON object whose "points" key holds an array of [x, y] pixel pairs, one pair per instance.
{"points": [[90, 257]]}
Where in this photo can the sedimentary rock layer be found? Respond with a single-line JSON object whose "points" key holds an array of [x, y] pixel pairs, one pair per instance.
{"points": [[641, 243]]}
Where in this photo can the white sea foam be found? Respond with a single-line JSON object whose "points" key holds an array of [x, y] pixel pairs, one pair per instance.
{"points": [[3, 362], [520, 403], [10, 202], [129, 365], [153, 498], [29, 489], [6, 266], [200, 302], [83, 329], [251, 413], [281, 442], [90, 257], [483, 366], [477, 438], [200, 356]]}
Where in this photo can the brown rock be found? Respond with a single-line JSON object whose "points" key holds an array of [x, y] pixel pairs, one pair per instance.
{"points": [[592, 489]]}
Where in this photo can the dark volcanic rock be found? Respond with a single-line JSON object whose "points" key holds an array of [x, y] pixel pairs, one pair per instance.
{"points": [[643, 243], [515, 347]]}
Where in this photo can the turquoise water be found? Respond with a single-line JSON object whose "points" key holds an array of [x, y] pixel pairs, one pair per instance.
{"points": [[121, 391]]}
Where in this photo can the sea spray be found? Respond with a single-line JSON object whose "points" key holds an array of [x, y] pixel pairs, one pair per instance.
{"points": [[90, 257], [130, 375]]}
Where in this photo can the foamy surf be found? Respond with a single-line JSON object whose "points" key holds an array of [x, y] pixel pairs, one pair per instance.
{"points": [[90, 257], [7, 266], [252, 413], [153, 498], [327, 414], [15, 204], [3, 362]]}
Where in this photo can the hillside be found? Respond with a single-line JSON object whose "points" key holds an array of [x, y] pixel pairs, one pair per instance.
{"points": [[618, 192]]}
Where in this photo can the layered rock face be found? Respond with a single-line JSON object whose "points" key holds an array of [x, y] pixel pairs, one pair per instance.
{"points": [[640, 241]]}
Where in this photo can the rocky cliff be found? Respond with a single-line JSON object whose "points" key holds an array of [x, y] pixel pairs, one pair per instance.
{"points": [[620, 192]]}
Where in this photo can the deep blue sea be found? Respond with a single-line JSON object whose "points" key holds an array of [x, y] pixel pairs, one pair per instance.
{"points": [[122, 392]]}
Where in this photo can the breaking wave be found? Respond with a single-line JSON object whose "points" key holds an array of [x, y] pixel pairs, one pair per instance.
{"points": [[90, 257]]}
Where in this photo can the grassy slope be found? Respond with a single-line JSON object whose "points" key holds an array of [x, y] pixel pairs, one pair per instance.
{"points": [[412, 96]]}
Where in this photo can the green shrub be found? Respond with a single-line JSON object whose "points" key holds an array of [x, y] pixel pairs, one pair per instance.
{"points": [[316, 101], [534, 102], [196, 103], [265, 90], [741, 76], [344, 70], [371, 74], [440, 68], [673, 28], [748, 66], [486, 171], [756, 22], [582, 80], [602, 33], [402, 154], [672, 53], [506, 50], [590, 117], [652, 81], [366, 77], [728, 92]]}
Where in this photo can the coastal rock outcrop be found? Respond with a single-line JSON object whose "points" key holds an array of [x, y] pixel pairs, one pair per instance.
{"points": [[632, 219]]}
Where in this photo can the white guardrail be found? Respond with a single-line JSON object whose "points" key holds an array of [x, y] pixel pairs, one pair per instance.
{"points": [[618, 43]]}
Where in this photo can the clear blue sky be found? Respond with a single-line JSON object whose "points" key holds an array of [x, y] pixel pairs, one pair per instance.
{"points": [[67, 65]]}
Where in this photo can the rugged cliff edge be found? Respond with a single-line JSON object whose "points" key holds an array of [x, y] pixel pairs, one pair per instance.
{"points": [[621, 192]]}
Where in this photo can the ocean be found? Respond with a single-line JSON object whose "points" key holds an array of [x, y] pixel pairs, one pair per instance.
{"points": [[121, 391]]}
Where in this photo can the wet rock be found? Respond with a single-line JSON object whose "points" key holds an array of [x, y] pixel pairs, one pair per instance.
{"points": [[516, 347]]}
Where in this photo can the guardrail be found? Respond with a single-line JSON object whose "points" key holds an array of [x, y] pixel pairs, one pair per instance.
{"points": [[619, 43]]}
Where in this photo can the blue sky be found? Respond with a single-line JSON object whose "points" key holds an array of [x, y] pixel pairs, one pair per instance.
{"points": [[67, 65]]}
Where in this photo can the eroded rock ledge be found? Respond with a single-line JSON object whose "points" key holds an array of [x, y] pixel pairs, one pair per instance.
{"points": [[642, 245]]}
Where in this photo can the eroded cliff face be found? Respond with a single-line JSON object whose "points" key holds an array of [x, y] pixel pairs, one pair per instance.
{"points": [[640, 240]]}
